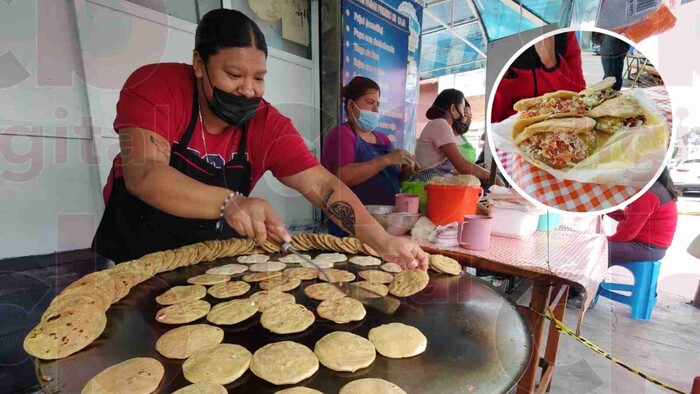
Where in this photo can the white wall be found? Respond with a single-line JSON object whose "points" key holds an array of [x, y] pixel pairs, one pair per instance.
{"points": [[60, 75]]}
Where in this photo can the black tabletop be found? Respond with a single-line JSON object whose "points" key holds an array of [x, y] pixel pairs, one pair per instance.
{"points": [[477, 340]]}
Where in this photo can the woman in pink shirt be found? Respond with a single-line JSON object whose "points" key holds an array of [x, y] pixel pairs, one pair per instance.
{"points": [[437, 152], [362, 158]]}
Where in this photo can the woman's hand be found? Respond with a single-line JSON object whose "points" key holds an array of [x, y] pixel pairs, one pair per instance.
{"points": [[403, 252], [400, 157], [546, 51], [254, 218]]}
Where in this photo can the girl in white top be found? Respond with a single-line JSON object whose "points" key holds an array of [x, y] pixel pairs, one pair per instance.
{"points": [[437, 152]]}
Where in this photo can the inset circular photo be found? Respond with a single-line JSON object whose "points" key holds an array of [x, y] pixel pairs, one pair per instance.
{"points": [[580, 121]]}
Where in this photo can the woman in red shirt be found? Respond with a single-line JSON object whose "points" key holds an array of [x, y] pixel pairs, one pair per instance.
{"points": [[194, 141], [551, 64], [645, 229], [646, 226]]}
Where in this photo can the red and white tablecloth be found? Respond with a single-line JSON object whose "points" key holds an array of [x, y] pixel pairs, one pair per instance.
{"points": [[581, 258], [574, 196]]}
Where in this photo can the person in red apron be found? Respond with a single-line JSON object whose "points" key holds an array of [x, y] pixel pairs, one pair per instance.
{"points": [[364, 159], [195, 139]]}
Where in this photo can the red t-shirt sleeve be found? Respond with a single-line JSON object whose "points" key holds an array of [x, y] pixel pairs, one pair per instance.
{"points": [[338, 149], [151, 100], [286, 152], [568, 75], [636, 216]]}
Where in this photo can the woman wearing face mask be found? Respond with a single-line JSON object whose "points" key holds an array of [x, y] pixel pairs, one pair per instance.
{"points": [[194, 141], [362, 158], [437, 151]]}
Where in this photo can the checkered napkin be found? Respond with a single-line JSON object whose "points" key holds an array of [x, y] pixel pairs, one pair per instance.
{"points": [[570, 195]]}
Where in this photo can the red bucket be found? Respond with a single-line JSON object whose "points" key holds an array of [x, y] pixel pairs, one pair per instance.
{"points": [[448, 204]]}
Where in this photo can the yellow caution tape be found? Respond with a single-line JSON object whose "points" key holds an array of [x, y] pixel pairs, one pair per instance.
{"points": [[566, 330]]}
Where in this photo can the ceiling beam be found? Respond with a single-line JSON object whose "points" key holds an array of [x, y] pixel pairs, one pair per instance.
{"points": [[520, 9], [453, 65], [475, 12], [446, 26], [439, 29]]}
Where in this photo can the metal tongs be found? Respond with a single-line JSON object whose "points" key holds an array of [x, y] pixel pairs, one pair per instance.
{"points": [[384, 304]]}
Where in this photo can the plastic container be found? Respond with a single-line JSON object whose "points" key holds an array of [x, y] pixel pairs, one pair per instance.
{"points": [[448, 204], [513, 223], [406, 203], [549, 221], [475, 232], [417, 188]]}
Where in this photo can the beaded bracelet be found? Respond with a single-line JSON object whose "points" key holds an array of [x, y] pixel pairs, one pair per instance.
{"points": [[220, 222]]}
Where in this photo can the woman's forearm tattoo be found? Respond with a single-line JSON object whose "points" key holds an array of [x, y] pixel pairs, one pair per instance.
{"points": [[161, 147], [328, 196], [345, 214], [340, 210]]}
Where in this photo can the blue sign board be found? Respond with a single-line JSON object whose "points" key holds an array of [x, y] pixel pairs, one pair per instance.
{"points": [[375, 45]]}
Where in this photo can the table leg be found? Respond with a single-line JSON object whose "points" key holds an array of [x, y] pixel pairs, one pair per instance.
{"points": [[539, 302], [629, 62], [550, 352], [639, 73]]}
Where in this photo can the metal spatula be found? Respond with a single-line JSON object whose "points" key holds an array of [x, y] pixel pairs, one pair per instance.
{"points": [[385, 304]]}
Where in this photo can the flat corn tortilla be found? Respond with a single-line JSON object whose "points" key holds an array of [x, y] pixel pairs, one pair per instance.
{"points": [[268, 298], [181, 342], [178, 294], [303, 273], [333, 275], [375, 276], [202, 388], [228, 269], [298, 390], [184, 312], [284, 362], [287, 318], [232, 312], [344, 352], [398, 340], [218, 364], [229, 289], [208, 279], [371, 385], [409, 283], [342, 310], [140, 375], [323, 291], [365, 289], [445, 264], [65, 333], [282, 283]]}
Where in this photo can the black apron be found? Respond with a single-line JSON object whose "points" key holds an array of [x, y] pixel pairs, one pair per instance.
{"points": [[130, 228]]}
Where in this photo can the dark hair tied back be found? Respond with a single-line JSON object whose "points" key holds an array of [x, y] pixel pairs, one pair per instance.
{"points": [[223, 28]]}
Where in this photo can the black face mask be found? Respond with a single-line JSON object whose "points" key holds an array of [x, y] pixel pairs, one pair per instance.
{"points": [[232, 109], [459, 127]]}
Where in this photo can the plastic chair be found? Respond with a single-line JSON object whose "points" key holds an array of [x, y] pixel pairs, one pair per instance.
{"points": [[642, 299]]}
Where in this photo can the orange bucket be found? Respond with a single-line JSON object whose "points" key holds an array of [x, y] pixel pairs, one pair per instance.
{"points": [[447, 204]]}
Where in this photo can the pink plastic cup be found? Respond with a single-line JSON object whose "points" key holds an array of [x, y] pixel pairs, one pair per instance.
{"points": [[406, 203], [475, 232]]}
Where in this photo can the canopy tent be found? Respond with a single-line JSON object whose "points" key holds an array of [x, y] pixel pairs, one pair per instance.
{"points": [[455, 33]]}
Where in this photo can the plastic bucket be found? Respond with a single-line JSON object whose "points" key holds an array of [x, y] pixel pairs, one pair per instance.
{"points": [[449, 204]]}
